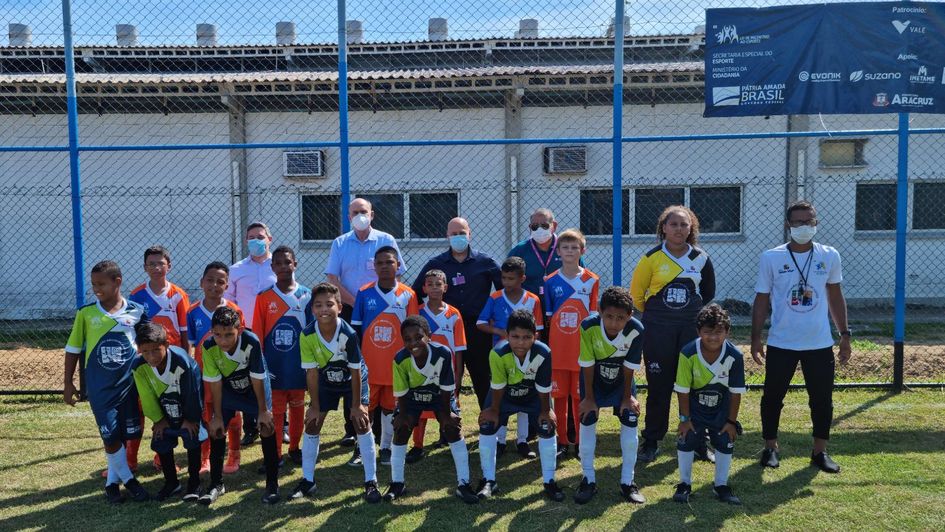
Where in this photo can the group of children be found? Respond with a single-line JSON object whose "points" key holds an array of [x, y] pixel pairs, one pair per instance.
{"points": [[192, 370]]}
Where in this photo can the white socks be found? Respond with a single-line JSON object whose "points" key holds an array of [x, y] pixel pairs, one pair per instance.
{"points": [[685, 465], [461, 460], [398, 456], [628, 448], [487, 452], [387, 430], [368, 456], [521, 428], [588, 435], [723, 462], [547, 449], [310, 444], [502, 434], [118, 463]]}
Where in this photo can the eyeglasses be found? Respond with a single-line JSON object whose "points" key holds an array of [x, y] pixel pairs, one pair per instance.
{"points": [[534, 227], [798, 223]]}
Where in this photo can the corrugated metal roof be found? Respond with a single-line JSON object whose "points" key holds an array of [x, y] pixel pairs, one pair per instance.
{"points": [[366, 75]]}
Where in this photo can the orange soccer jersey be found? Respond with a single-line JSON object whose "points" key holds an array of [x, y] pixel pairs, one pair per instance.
{"points": [[379, 315], [567, 303], [169, 309]]}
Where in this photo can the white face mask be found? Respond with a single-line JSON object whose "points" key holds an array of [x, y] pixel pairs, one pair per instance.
{"points": [[541, 235], [361, 222], [803, 234]]}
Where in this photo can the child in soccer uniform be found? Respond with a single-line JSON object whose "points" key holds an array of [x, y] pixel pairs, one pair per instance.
{"points": [[170, 386], [379, 309], [446, 328], [234, 366], [521, 383], [710, 381], [282, 311], [334, 369], [213, 283], [104, 331], [493, 320], [423, 381], [611, 348], [167, 305], [570, 297]]}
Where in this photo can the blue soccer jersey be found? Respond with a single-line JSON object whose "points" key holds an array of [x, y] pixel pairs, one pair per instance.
{"points": [[108, 341], [278, 320]]}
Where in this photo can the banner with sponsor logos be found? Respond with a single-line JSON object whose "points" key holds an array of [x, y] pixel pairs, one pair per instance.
{"points": [[844, 58]]}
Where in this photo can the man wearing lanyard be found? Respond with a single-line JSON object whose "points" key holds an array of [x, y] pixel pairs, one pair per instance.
{"points": [[248, 277], [800, 283], [539, 250], [471, 276]]}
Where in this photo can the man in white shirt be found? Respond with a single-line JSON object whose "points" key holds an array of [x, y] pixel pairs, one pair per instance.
{"points": [[800, 283]]}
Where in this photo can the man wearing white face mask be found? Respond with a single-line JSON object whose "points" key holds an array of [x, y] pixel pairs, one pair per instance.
{"points": [[253, 274], [800, 283], [539, 250]]}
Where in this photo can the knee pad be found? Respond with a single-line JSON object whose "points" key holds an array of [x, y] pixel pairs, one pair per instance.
{"points": [[589, 419], [723, 444], [628, 418], [546, 430], [487, 429], [689, 442]]}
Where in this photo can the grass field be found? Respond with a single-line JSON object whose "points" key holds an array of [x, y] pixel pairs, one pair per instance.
{"points": [[891, 447]]}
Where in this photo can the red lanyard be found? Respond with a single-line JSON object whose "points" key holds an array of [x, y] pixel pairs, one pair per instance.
{"points": [[551, 253]]}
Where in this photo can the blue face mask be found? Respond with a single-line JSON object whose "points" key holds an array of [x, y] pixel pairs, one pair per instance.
{"points": [[257, 247], [459, 243]]}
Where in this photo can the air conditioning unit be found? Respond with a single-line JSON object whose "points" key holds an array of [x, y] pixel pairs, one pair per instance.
{"points": [[303, 163], [565, 160]]}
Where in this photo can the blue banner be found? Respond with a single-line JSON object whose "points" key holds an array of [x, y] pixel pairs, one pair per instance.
{"points": [[847, 58]]}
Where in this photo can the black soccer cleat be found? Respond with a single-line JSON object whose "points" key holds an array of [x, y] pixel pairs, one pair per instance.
{"points": [[500, 450], [138, 493], [384, 457], [212, 495], [296, 456], [823, 462], [525, 451], [553, 491], [414, 455], [585, 491], [704, 454], [349, 440], [249, 437], [465, 492], [486, 489], [169, 489], [725, 494], [113, 494], [271, 496], [770, 458], [355, 460], [371, 494], [648, 451], [193, 492], [304, 488], [631, 493], [395, 490], [683, 491]]}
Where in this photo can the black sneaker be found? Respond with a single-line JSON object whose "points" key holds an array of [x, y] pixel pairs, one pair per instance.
{"points": [[631, 492], [385, 456], [414, 455], [770, 458], [349, 440], [525, 451], [553, 491], [371, 493], [211, 495], [138, 493], [500, 450], [395, 490], [648, 451], [704, 453], [724, 494], [304, 488], [465, 492], [585, 491], [168, 489], [262, 468], [823, 462], [285, 434], [249, 438], [193, 493], [113, 494], [271, 496], [296, 456], [683, 491], [355, 460], [486, 489]]}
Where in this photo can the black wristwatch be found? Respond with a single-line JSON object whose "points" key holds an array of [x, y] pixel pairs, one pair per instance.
{"points": [[847, 333]]}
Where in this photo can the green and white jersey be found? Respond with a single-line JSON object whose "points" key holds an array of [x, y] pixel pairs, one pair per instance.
{"points": [[710, 386], [334, 358], [609, 355], [523, 379], [235, 370], [175, 393], [424, 385]]}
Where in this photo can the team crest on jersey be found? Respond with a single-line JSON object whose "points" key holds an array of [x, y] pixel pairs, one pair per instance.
{"points": [[371, 304], [664, 268], [199, 323], [273, 308], [559, 292], [96, 321]]}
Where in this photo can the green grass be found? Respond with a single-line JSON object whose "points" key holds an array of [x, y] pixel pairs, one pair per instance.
{"points": [[890, 447]]}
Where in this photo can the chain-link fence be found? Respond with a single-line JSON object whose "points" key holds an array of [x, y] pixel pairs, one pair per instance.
{"points": [[197, 118]]}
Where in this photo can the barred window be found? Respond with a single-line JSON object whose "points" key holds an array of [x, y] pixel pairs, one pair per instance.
{"points": [[321, 216], [649, 203], [719, 208], [928, 210], [597, 212], [388, 213], [431, 212], [419, 214], [875, 207]]}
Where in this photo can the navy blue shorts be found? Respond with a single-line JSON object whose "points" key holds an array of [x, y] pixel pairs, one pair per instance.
{"points": [[613, 398], [414, 408], [720, 442], [330, 398], [509, 408], [168, 440], [121, 423], [234, 402]]}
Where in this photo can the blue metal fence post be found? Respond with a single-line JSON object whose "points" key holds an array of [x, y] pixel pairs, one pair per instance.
{"points": [[343, 114], [618, 143], [72, 108], [902, 197]]}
